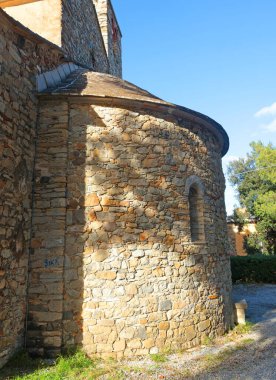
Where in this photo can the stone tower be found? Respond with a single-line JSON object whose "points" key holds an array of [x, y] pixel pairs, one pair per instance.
{"points": [[95, 41], [111, 34]]}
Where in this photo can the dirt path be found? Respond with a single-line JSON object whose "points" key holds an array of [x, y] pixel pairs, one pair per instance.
{"points": [[250, 356]]}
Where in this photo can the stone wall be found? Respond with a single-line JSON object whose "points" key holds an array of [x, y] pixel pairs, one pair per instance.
{"points": [[72, 25], [46, 284], [111, 34], [130, 278], [22, 56], [81, 35]]}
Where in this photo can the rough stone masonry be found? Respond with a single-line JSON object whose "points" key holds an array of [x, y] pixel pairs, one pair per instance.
{"points": [[112, 217]]}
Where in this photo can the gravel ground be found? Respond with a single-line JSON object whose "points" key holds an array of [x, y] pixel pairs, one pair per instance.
{"points": [[249, 356], [258, 361]]}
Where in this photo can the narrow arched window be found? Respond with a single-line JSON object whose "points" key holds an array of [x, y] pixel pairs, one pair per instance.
{"points": [[194, 191]]}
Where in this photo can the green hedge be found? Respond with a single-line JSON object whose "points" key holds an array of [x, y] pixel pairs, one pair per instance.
{"points": [[257, 268]]}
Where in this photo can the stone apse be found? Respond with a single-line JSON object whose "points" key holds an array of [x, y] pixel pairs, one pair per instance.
{"points": [[112, 218]]}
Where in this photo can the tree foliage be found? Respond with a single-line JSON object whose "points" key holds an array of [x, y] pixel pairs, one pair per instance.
{"points": [[254, 179]]}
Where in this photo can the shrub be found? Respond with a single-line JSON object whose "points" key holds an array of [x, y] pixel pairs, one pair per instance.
{"points": [[158, 358], [258, 268], [252, 244]]}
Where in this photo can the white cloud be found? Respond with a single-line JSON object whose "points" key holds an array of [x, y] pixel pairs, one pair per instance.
{"points": [[229, 158], [266, 111], [270, 127]]}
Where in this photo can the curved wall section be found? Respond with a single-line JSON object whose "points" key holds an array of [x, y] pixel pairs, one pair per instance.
{"points": [[132, 280], [151, 288]]}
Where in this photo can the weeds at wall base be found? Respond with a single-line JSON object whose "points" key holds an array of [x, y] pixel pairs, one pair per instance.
{"points": [[78, 365]]}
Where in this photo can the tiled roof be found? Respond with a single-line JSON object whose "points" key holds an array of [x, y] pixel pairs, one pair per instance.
{"points": [[83, 82]]}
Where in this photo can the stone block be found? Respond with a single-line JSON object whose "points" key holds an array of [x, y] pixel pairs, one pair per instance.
{"points": [[138, 253], [204, 325], [105, 348], [190, 333], [165, 305], [46, 316], [54, 341], [164, 326], [127, 333], [148, 343], [100, 255], [106, 275], [119, 345], [131, 289], [134, 343], [91, 200]]}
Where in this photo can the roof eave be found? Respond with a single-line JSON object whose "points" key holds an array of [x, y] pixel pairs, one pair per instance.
{"points": [[171, 109]]}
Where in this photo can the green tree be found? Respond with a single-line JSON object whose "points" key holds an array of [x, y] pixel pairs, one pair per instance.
{"points": [[254, 179]]}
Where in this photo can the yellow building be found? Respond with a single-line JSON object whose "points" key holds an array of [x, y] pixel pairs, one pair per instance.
{"points": [[237, 235]]}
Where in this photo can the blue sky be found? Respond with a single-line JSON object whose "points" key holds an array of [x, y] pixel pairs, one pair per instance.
{"points": [[217, 57]]}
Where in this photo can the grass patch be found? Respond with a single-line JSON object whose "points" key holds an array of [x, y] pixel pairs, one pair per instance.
{"points": [[244, 343], [243, 329], [215, 360], [248, 341], [207, 341], [76, 366], [237, 332], [158, 358], [180, 373], [21, 365], [70, 367], [185, 373]]}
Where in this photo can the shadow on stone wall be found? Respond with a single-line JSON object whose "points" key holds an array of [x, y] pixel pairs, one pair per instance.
{"points": [[134, 283], [51, 308]]}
